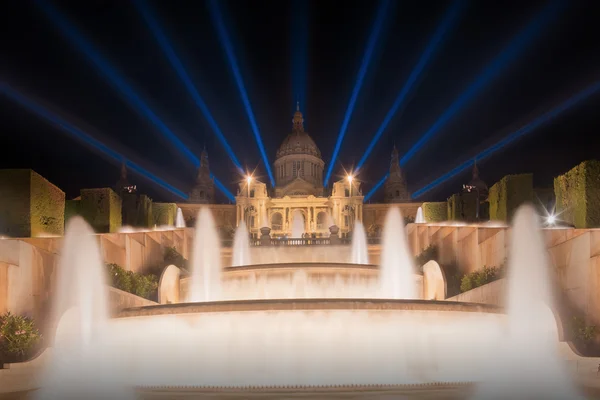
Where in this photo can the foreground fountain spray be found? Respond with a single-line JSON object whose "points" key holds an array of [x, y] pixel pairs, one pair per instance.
{"points": [[526, 363], [360, 254], [397, 266], [81, 363], [241, 246], [179, 221], [297, 225], [205, 284]]}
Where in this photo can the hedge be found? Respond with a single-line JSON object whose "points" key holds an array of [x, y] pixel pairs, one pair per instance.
{"points": [[143, 285], [462, 207], [137, 210], [101, 208], [29, 204], [164, 213], [578, 195], [72, 209], [506, 195], [435, 211]]}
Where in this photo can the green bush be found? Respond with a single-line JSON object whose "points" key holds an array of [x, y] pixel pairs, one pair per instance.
{"points": [[435, 212], [101, 208], [18, 336], [164, 213], [581, 332], [430, 253], [137, 210], [143, 285], [462, 207], [506, 195], [577, 195], [480, 278], [409, 220], [173, 257]]}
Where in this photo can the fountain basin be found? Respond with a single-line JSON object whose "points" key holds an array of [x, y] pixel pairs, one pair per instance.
{"points": [[304, 342], [300, 280]]}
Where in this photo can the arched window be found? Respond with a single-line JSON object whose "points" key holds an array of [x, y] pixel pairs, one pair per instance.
{"points": [[276, 221], [322, 220], [202, 194], [347, 192], [397, 193], [252, 193]]}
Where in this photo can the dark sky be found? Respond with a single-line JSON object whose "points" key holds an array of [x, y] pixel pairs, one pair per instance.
{"points": [[39, 61]]}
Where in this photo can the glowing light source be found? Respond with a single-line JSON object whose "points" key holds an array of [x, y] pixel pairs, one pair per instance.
{"points": [[87, 139], [228, 47], [447, 22], [114, 77], [366, 60], [531, 126], [515, 47], [551, 219], [350, 178], [185, 78]]}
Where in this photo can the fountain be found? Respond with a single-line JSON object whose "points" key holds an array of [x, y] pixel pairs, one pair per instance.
{"points": [[179, 221], [397, 265], [420, 219], [360, 254], [241, 246], [297, 225], [205, 284], [527, 364], [81, 363]]}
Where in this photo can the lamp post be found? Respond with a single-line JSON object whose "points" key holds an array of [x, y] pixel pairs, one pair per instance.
{"points": [[469, 189], [248, 180], [350, 178]]}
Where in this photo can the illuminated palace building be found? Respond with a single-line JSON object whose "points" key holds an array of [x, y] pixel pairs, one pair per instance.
{"points": [[299, 193]]}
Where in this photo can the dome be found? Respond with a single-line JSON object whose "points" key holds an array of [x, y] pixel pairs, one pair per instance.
{"points": [[298, 141]]}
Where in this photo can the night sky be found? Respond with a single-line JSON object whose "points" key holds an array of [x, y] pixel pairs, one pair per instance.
{"points": [[41, 63]]}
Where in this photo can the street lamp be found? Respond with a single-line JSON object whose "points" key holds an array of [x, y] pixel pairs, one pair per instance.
{"points": [[248, 180], [350, 178]]}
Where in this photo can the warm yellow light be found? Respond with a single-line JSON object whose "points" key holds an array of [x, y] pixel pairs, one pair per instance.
{"points": [[350, 177], [248, 179]]}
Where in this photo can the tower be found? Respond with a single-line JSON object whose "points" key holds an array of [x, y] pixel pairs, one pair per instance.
{"points": [[203, 191], [123, 185], [395, 190]]}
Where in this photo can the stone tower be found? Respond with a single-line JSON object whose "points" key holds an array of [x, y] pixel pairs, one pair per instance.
{"points": [[123, 185], [203, 191], [395, 190]]}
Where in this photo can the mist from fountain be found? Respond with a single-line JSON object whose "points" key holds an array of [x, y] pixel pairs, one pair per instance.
{"points": [[81, 364], [241, 246], [397, 265], [297, 225], [527, 364], [179, 221], [205, 279], [360, 254], [420, 219]]}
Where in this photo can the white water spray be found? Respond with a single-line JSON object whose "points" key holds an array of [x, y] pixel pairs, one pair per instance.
{"points": [[360, 254], [297, 225], [420, 219], [179, 221], [205, 281], [241, 246]]}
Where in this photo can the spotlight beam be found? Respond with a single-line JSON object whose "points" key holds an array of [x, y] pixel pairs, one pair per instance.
{"points": [[376, 187], [509, 139], [366, 60], [432, 46], [87, 139], [228, 48], [111, 74], [166, 47], [516, 46]]}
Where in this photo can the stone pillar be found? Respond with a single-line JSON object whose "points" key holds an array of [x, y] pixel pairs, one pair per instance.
{"points": [[265, 237], [333, 235]]}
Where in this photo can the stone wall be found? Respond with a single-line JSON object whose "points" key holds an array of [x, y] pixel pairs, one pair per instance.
{"points": [[374, 214]]}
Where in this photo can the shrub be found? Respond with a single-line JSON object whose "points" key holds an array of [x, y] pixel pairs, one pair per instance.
{"points": [[506, 195], [430, 253], [101, 208], [172, 256], [409, 220], [480, 278], [18, 336], [164, 213], [143, 285], [435, 212], [581, 332], [462, 207], [578, 193], [137, 210]]}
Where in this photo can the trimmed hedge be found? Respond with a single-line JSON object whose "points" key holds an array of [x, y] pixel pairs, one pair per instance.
{"points": [[137, 210], [101, 208], [72, 209], [29, 204], [578, 195], [508, 194], [462, 207], [143, 285], [164, 213], [480, 278], [435, 211]]}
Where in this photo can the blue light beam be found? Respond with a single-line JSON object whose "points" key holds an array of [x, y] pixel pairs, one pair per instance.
{"points": [[185, 78], [222, 188], [228, 47], [376, 187], [299, 50], [111, 74], [516, 46], [84, 137], [432, 46], [376, 30], [531, 126]]}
